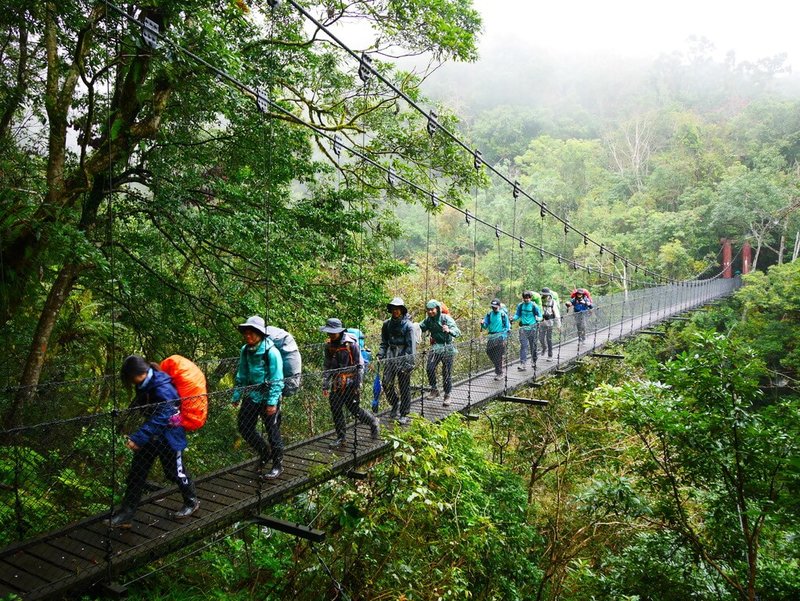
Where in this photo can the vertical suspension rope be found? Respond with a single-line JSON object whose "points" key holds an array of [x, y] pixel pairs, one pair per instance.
{"points": [[112, 270], [268, 213], [472, 300]]}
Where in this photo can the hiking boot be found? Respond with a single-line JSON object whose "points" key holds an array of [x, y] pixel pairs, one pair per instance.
{"points": [[446, 401], [549, 359], [375, 428], [277, 470], [123, 518], [187, 509], [404, 421], [498, 378], [522, 367], [393, 414], [337, 444], [432, 395]]}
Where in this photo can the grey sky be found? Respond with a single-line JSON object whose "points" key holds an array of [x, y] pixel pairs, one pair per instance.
{"points": [[644, 28]]}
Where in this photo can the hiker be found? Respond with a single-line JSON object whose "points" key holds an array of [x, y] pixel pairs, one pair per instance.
{"points": [[259, 386], [442, 329], [497, 324], [341, 380], [581, 303], [528, 314], [398, 350], [551, 316], [159, 436]]}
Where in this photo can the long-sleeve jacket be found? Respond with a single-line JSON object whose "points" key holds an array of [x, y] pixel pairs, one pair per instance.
{"points": [[581, 305], [551, 315], [497, 324], [343, 365], [158, 397], [528, 314], [442, 341], [258, 365], [397, 343]]}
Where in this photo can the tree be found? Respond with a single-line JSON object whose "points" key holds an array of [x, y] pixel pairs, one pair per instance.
{"points": [[131, 131], [714, 464]]}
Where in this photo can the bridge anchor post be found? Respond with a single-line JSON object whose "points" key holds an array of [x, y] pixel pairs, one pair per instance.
{"points": [[299, 530]]}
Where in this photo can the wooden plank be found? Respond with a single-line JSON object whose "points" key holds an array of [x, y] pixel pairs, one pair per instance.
{"points": [[79, 549], [153, 517], [125, 537], [41, 568], [6, 590], [240, 483], [89, 539], [69, 561], [223, 492], [209, 501], [20, 579]]}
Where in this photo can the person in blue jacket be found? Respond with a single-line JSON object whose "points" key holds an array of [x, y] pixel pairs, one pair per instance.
{"points": [[158, 437], [528, 314], [259, 386], [582, 307], [497, 324]]}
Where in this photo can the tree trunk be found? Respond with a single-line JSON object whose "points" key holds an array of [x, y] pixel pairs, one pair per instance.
{"points": [[758, 252], [17, 94], [782, 246], [33, 365]]}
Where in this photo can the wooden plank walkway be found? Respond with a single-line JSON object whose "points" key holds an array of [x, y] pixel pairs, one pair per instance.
{"points": [[88, 552]]}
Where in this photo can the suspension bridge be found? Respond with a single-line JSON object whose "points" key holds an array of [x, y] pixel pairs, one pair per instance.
{"points": [[57, 540], [62, 473]]}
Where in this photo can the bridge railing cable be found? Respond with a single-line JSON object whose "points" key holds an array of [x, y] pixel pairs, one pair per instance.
{"points": [[51, 467]]}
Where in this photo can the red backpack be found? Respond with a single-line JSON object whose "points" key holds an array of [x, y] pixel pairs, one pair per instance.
{"points": [[190, 383]]}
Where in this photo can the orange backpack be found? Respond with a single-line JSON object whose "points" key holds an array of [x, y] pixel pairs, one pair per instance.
{"points": [[190, 383]]}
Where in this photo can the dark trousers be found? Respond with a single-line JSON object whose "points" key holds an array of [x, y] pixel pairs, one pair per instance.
{"points": [[390, 374], [347, 397], [546, 339], [447, 370], [248, 420], [496, 349], [580, 324], [171, 461], [527, 339]]}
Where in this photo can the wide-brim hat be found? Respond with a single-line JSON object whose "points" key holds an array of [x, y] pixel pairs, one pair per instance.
{"points": [[256, 323], [332, 326], [397, 302], [495, 303], [546, 292]]}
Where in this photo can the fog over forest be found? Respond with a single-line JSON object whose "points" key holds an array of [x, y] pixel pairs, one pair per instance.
{"points": [[515, 72]]}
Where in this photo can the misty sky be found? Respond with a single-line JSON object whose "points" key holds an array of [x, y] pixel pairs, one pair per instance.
{"points": [[643, 27]]}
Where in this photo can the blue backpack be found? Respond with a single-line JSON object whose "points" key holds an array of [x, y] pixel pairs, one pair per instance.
{"points": [[366, 354]]}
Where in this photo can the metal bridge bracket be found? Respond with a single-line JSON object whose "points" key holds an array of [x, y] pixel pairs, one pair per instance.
{"points": [[114, 590], [516, 399], [607, 355], [299, 530], [470, 417], [356, 474], [652, 332]]}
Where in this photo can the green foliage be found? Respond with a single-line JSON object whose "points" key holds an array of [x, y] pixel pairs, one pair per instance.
{"points": [[712, 460], [770, 318], [436, 520]]}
